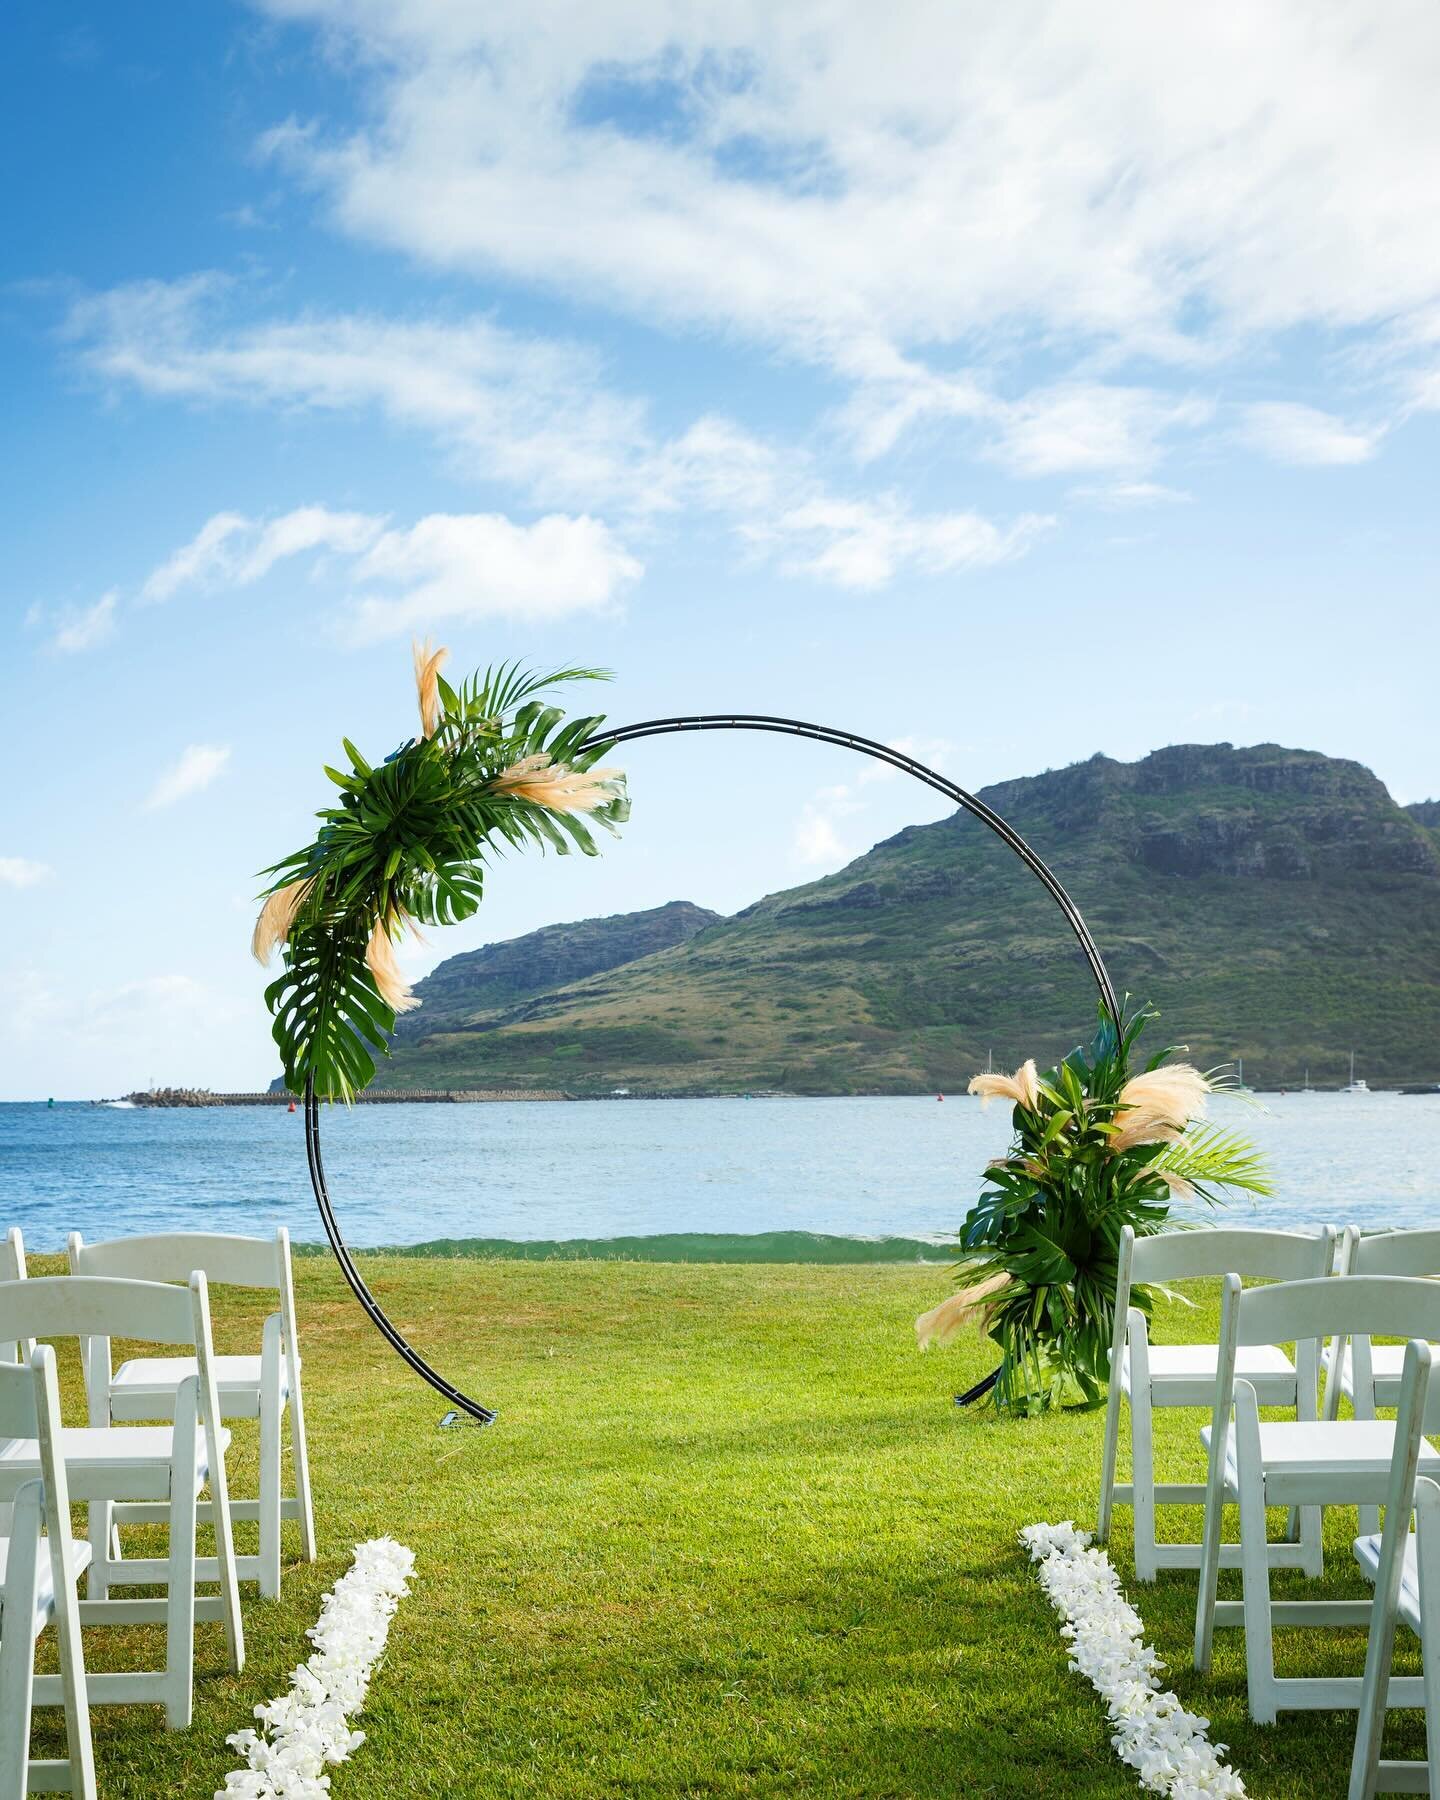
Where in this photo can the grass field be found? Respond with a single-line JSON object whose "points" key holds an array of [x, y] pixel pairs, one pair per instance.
{"points": [[729, 1537]]}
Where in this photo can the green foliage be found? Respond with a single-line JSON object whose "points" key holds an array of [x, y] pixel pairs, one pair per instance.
{"points": [[1047, 1225], [408, 843]]}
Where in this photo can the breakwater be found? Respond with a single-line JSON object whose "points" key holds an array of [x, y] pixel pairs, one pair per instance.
{"points": [[371, 1097]]}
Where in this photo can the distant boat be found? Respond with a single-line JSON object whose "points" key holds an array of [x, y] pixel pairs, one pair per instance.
{"points": [[1355, 1087], [119, 1105], [1240, 1087]]}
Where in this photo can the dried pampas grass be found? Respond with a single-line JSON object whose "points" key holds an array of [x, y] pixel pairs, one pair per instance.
{"points": [[1180, 1188], [944, 1321], [556, 786], [427, 683], [277, 915], [384, 967], [1156, 1107], [1023, 1087]]}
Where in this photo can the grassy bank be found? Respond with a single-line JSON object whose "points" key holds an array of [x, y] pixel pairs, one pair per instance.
{"points": [[730, 1537]]}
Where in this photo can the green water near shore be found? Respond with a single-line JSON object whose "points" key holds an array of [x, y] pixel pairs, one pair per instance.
{"points": [[684, 1247]]}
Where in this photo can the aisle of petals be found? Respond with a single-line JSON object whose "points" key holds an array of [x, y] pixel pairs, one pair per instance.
{"points": [[308, 1728], [1166, 1746]]}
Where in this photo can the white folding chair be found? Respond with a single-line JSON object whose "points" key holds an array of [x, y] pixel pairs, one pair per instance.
{"points": [[1369, 1374], [12, 1268], [1306, 1463], [37, 1588], [1154, 1375], [259, 1387], [170, 1464], [1405, 1568]]}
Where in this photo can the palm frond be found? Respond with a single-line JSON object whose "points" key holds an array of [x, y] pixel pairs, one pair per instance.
{"points": [[1211, 1157], [409, 841]]}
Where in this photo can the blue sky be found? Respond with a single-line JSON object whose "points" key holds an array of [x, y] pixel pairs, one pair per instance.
{"points": [[1011, 383]]}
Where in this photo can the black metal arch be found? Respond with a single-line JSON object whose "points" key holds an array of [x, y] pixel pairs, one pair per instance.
{"points": [[646, 728]]}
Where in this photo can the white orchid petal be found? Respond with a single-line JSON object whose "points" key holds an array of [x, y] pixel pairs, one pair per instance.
{"points": [[308, 1728], [1166, 1746]]}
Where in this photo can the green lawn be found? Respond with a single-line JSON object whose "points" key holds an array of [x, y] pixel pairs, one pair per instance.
{"points": [[729, 1537]]}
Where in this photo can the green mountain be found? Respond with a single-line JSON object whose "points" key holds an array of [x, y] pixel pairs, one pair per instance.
{"points": [[1275, 904], [485, 986]]}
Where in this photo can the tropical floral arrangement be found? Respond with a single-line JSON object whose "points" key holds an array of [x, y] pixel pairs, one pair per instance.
{"points": [[1096, 1148], [494, 768]]}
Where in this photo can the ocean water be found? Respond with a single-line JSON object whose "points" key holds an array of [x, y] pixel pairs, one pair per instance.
{"points": [[748, 1178]]}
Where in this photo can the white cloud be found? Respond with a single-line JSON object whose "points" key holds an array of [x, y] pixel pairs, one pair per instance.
{"points": [[83, 630], [483, 566], [817, 843], [230, 550], [866, 544], [1118, 496], [512, 407], [445, 566], [1084, 427], [22, 871], [964, 174], [1291, 433], [198, 766], [193, 564]]}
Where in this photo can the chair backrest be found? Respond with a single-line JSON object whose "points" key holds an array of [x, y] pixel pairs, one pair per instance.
{"points": [[1305, 1311], [1403, 1306], [95, 1308], [1221, 1250], [30, 1408], [86, 1305], [12, 1268], [172, 1255], [1391, 1253], [1254, 1255], [17, 1401]]}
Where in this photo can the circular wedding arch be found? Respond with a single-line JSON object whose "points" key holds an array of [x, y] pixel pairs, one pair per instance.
{"points": [[648, 728]]}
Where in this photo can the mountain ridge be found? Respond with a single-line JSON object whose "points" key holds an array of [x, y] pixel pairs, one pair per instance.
{"points": [[1277, 903]]}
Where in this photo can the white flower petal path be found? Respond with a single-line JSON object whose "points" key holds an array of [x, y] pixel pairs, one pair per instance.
{"points": [[1164, 1744], [309, 1727]]}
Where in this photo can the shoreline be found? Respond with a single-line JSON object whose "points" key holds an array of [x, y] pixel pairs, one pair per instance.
{"points": [[199, 1098]]}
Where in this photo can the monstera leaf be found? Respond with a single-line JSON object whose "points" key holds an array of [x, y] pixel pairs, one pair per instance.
{"points": [[493, 769]]}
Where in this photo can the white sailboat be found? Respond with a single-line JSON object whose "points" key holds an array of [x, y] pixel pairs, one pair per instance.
{"points": [[1355, 1087], [1240, 1087]]}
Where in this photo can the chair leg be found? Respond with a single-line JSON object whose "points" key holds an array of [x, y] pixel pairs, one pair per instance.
{"points": [[1370, 1722], [1142, 1478], [79, 1746], [1108, 1459], [17, 1653], [269, 1493], [225, 1560], [102, 1531], [1427, 1553], [1209, 1579], [1254, 1559], [180, 1607], [1312, 1538], [300, 1455]]}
